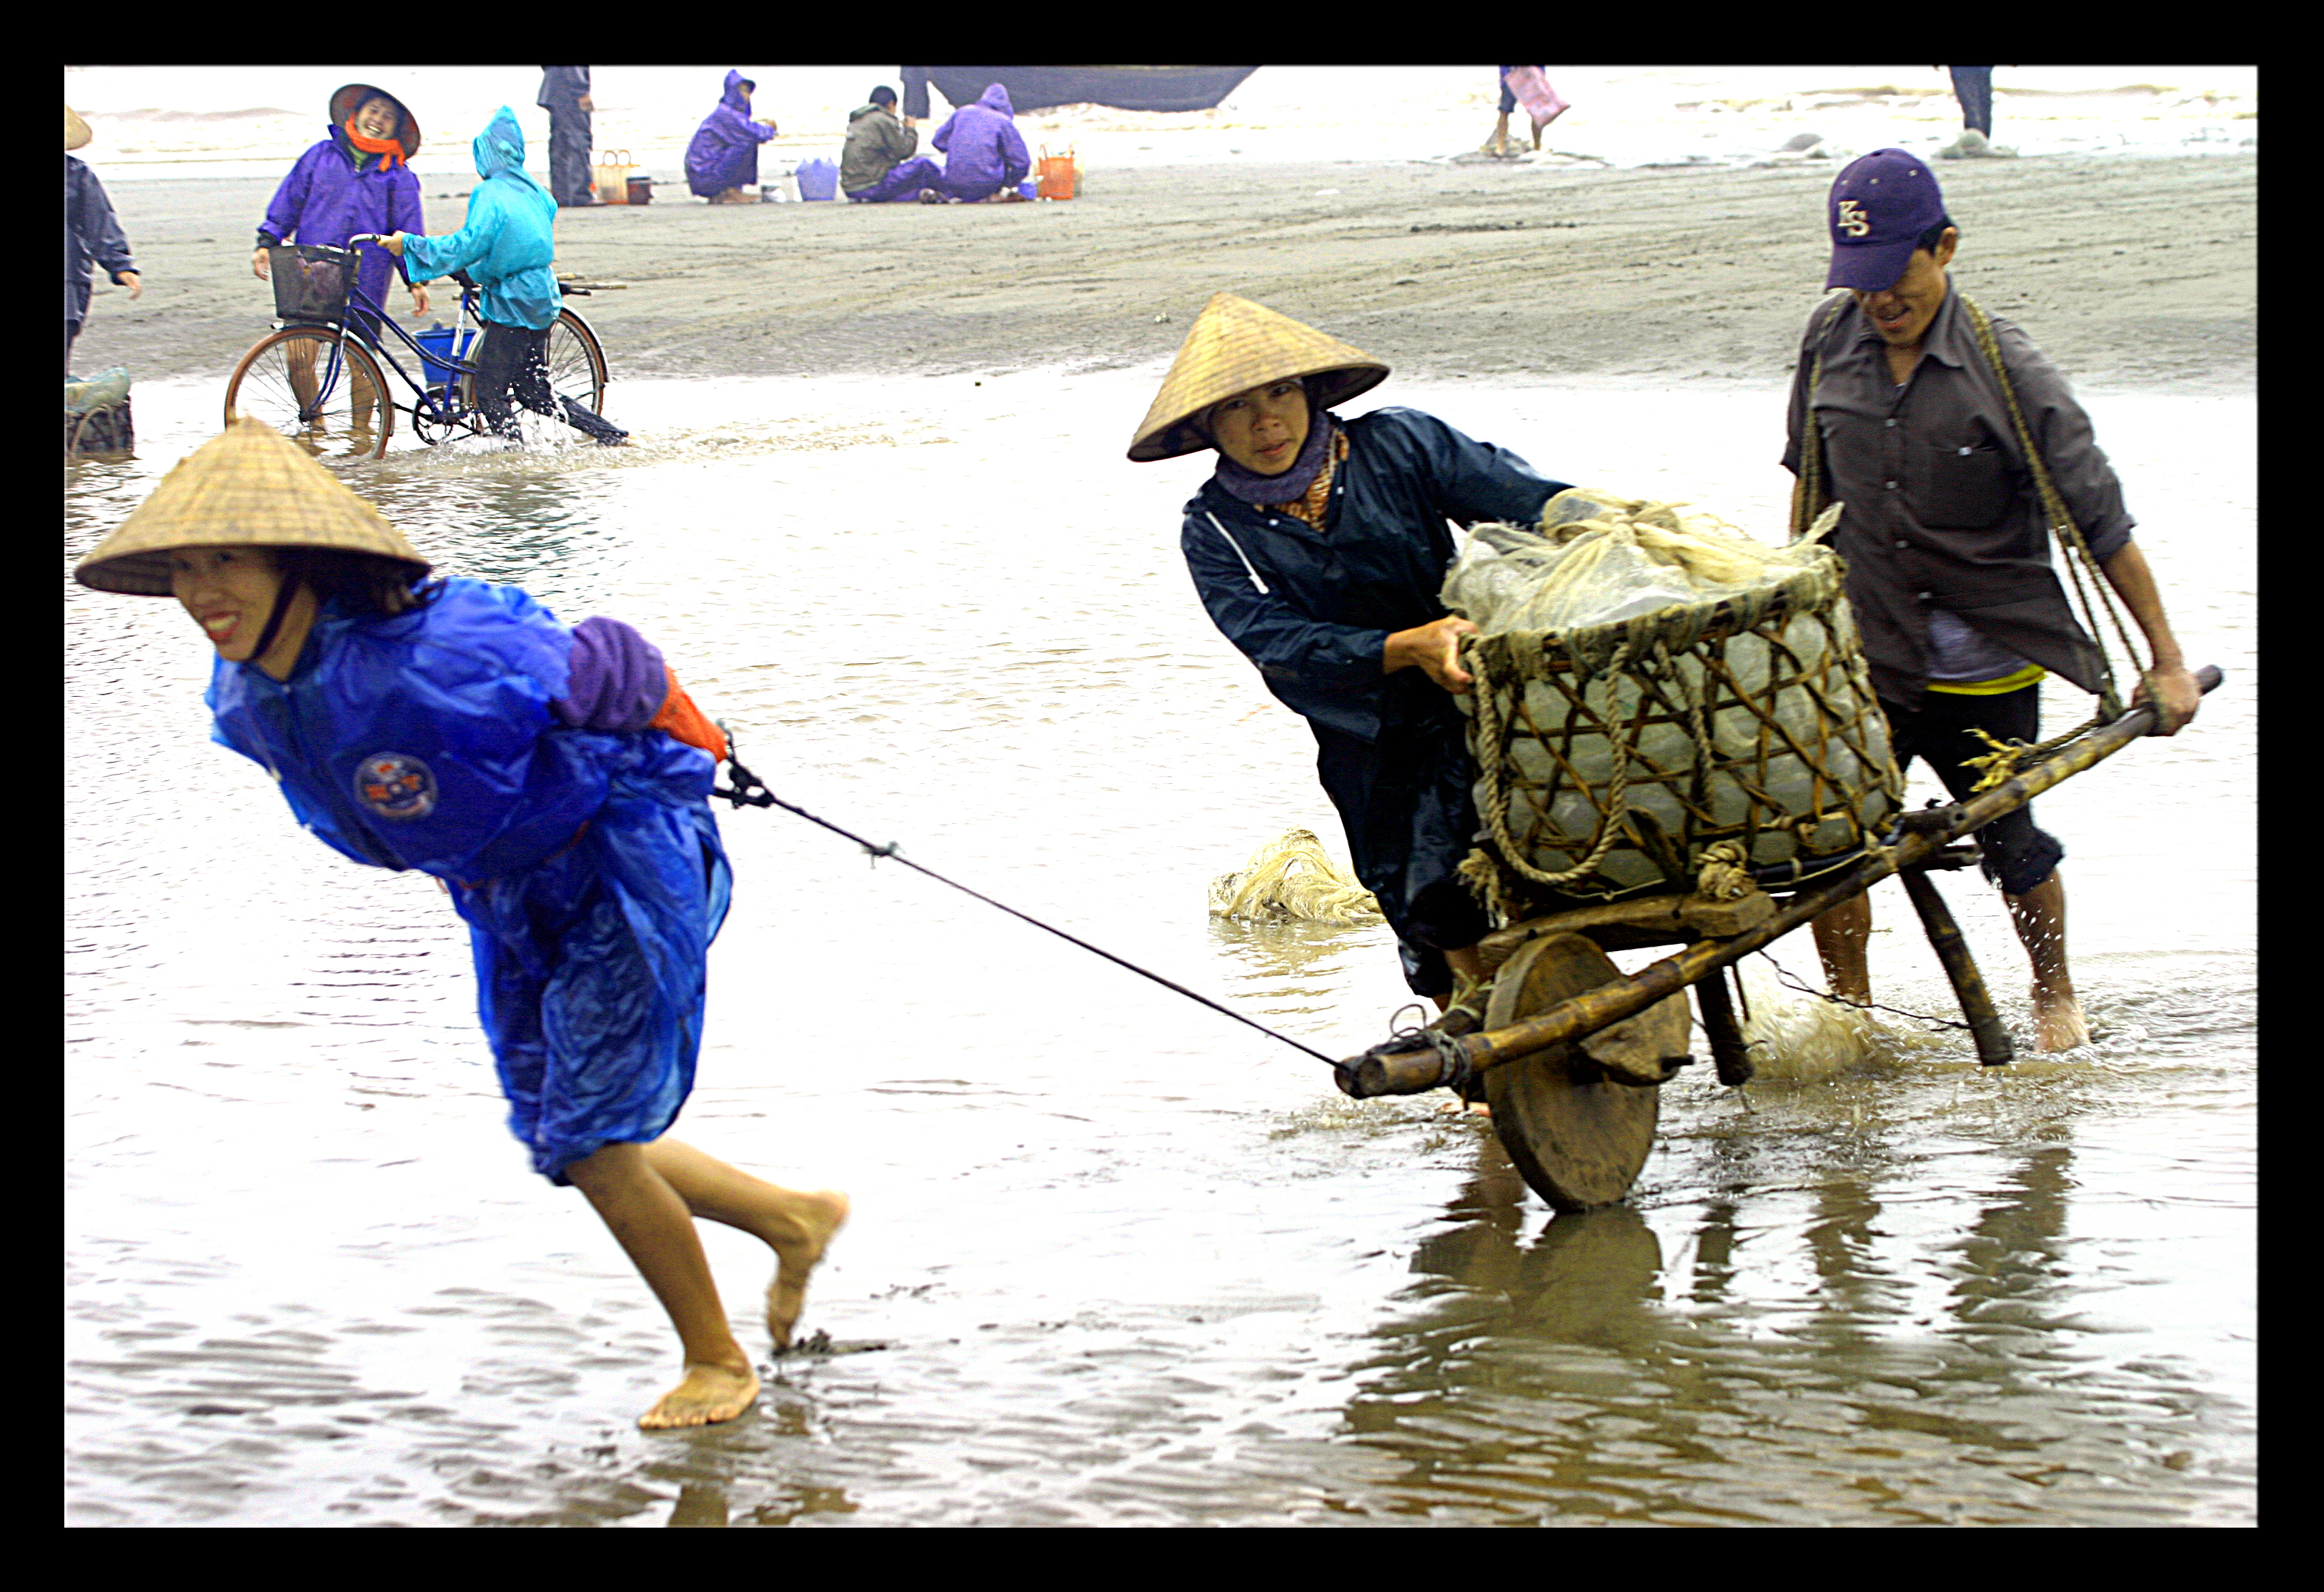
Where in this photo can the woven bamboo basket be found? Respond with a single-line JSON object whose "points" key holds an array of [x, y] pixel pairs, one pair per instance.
{"points": [[1611, 757]]}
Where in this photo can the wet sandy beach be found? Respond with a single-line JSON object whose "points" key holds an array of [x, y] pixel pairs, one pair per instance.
{"points": [[1114, 1260], [2135, 269]]}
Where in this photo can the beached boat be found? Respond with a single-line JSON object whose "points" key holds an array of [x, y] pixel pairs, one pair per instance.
{"points": [[1033, 88]]}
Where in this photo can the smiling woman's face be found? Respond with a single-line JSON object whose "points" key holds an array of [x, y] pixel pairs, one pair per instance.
{"points": [[228, 591], [1262, 429], [377, 118]]}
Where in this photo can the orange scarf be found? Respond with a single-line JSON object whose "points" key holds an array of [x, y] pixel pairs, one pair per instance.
{"points": [[388, 147]]}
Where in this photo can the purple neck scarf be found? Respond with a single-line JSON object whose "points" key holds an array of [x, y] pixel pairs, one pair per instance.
{"points": [[1291, 486]]}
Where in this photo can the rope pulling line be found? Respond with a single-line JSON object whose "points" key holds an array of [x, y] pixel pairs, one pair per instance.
{"points": [[750, 790]]}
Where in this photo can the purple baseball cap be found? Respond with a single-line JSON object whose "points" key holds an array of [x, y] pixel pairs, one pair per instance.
{"points": [[1880, 205]]}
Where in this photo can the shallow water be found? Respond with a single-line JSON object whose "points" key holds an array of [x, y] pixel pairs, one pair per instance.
{"points": [[1130, 1261]]}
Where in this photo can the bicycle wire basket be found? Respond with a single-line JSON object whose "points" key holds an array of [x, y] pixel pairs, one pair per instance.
{"points": [[311, 281]]}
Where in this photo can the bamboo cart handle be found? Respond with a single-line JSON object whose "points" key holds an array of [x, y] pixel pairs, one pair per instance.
{"points": [[1408, 1071]]}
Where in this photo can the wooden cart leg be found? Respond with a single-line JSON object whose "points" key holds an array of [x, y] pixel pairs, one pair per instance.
{"points": [[1993, 1046], [1727, 1048]]}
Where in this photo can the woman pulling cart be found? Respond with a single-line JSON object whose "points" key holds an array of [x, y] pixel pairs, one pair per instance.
{"points": [[554, 780], [1318, 546]]}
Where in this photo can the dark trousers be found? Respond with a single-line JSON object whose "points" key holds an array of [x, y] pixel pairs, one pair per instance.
{"points": [[2017, 856], [1973, 87], [72, 330], [512, 368], [568, 156]]}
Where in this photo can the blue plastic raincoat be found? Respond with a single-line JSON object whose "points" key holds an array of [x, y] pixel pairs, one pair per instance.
{"points": [[587, 865], [983, 148], [1391, 750], [508, 241], [724, 152], [335, 192]]}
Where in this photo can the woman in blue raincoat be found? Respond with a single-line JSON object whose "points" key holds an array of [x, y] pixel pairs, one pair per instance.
{"points": [[356, 181], [553, 780], [1319, 547], [721, 164], [507, 244]]}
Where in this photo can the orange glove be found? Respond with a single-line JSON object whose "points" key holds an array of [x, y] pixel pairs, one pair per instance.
{"points": [[682, 721]]}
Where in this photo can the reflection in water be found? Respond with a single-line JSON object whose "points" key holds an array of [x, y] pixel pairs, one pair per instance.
{"points": [[1133, 1263]]}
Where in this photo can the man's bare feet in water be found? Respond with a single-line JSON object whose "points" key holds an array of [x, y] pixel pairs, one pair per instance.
{"points": [[2058, 1021], [819, 1215], [709, 1394]]}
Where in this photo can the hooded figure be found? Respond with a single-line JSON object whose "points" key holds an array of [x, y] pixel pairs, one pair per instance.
{"points": [[725, 153], [983, 152], [1319, 547], [508, 239], [350, 183], [507, 244]]}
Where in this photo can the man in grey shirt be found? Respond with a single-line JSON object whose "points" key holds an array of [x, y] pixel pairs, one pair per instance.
{"points": [[1946, 542]]}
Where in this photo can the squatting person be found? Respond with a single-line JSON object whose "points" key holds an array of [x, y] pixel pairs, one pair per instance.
{"points": [[1947, 544], [554, 780], [1319, 545]]}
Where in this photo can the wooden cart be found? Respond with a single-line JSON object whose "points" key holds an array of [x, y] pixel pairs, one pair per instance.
{"points": [[1571, 1054]]}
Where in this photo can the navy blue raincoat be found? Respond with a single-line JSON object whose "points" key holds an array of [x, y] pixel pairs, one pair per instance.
{"points": [[587, 865], [1392, 751]]}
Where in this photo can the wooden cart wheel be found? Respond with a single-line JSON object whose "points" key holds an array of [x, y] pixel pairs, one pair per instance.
{"points": [[1579, 1138]]}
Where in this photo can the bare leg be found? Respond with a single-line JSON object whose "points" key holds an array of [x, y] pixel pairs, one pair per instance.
{"points": [[300, 360], [652, 1223], [797, 1226], [1500, 141], [2040, 915], [1840, 935]]}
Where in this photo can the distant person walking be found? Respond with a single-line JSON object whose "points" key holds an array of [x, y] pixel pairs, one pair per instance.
{"points": [[878, 164], [984, 154], [1973, 87], [722, 161], [1528, 85], [565, 96], [92, 237]]}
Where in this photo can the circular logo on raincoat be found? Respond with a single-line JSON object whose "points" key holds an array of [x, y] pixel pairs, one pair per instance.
{"points": [[395, 785]]}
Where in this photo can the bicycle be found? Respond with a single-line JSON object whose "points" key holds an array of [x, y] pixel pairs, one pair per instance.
{"points": [[318, 377]]}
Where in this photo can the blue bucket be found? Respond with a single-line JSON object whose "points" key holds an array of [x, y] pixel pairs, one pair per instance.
{"points": [[438, 341], [817, 179]]}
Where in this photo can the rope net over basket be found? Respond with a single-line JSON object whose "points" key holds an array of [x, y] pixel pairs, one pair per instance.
{"points": [[1650, 687]]}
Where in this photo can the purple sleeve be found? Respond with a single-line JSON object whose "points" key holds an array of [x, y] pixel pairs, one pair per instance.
{"points": [[290, 200], [616, 680]]}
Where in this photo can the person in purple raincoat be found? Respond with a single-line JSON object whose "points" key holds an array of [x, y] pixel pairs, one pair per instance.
{"points": [[984, 154], [356, 180], [721, 164]]}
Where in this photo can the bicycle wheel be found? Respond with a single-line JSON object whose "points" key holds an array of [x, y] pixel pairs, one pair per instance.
{"points": [[576, 363], [322, 391]]}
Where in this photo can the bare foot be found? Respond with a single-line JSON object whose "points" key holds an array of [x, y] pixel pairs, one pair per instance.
{"points": [[2058, 1022], [824, 1213], [709, 1394]]}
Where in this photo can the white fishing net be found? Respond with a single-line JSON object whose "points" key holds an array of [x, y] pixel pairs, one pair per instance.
{"points": [[1293, 877]]}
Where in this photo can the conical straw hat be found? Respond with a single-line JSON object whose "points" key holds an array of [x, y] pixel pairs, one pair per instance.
{"points": [[247, 487], [76, 131], [350, 98], [1234, 345]]}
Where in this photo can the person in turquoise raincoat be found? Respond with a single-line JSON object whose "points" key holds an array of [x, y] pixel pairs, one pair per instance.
{"points": [[507, 244], [554, 780]]}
